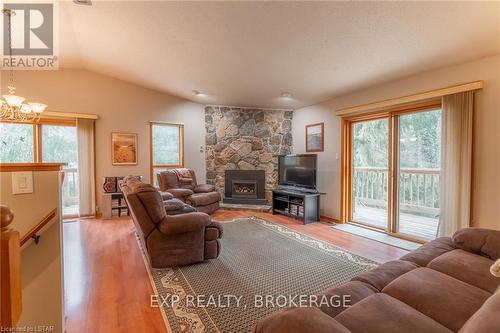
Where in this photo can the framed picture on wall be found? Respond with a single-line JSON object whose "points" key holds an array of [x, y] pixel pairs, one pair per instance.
{"points": [[315, 137], [124, 148]]}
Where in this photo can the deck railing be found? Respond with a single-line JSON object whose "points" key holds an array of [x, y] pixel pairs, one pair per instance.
{"points": [[418, 189], [70, 187]]}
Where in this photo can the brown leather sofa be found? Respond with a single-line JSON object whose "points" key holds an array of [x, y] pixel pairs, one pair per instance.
{"points": [[170, 240], [203, 197], [174, 206], [444, 286]]}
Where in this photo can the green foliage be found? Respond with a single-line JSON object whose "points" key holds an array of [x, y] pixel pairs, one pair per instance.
{"points": [[420, 140], [419, 145], [370, 144], [59, 144]]}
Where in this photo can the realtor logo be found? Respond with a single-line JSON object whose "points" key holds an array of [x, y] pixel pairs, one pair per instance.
{"points": [[34, 39]]}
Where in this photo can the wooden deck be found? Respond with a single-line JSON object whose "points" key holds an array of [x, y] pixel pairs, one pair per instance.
{"points": [[410, 224]]}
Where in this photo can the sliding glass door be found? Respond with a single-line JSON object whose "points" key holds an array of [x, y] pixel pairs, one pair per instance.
{"points": [[418, 173], [370, 172], [59, 144], [392, 171]]}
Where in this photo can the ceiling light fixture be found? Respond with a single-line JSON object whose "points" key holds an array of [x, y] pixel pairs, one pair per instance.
{"points": [[286, 95], [83, 2], [12, 107], [198, 93]]}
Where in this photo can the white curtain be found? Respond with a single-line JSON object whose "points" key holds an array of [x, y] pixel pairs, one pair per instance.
{"points": [[85, 133], [456, 162]]}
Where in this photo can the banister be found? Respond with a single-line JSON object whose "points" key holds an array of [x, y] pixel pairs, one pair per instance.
{"points": [[32, 233], [11, 297]]}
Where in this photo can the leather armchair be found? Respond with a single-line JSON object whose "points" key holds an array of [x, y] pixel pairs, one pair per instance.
{"points": [[170, 240], [203, 197]]}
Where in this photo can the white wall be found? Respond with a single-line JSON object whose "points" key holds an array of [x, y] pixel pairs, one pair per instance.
{"points": [[122, 107], [41, 264], [328, 163], [486, 178]]}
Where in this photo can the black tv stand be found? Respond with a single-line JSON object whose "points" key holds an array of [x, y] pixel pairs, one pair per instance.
{"points": [[300, 205]]}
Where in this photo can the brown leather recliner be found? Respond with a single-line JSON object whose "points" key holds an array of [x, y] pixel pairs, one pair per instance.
{"points": [[170, 240], [203, 197]]}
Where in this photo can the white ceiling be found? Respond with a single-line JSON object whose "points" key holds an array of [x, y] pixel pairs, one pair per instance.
{"points": [[248, 53]]}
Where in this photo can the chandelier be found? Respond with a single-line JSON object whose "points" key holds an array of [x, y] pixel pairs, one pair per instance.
{"points": [[14, 107]]}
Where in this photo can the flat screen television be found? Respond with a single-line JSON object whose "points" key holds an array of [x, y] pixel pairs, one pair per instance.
{"points": [[298, 170]]}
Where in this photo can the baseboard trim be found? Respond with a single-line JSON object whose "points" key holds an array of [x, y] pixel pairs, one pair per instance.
{"points": [[329, 219]]}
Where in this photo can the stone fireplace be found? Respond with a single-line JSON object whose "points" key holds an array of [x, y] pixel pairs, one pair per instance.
{"points": [[244, 139], [245, 187]]}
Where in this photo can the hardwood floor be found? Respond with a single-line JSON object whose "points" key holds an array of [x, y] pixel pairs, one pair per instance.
{"points": [[107, 287]]}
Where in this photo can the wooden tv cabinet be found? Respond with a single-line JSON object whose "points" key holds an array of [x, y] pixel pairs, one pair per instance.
{"points": [[302, 206]]}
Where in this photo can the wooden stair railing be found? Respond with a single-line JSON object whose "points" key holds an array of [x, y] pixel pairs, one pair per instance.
{"points": [[33, 232], [11, 297]]}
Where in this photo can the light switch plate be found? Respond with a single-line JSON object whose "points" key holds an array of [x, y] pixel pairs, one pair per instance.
{"points": [[22, 182]]}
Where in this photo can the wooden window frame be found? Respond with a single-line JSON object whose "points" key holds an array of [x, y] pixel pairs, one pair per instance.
{"points": [[153, 166], [392, 116], [37, 133]]}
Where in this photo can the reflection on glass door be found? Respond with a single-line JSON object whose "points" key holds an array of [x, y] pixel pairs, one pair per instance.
{"points": [[370, 172], [59, 144], [419, 151]]}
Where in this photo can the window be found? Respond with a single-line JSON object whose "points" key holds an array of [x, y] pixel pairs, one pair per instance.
{"points": [[167, 147], [46, 141], [17, 143], [391, 171]]}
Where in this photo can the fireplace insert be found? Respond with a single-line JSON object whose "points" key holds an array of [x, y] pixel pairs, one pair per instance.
{"points": [[245, 187]]}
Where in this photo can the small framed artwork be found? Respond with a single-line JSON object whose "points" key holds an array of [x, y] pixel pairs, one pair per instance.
{"points": [[124, 148], [315, 137]]}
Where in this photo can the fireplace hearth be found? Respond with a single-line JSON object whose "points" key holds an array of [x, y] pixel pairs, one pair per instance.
{"points": [[245, 187]]}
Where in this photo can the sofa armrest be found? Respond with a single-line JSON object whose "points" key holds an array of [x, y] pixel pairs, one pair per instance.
{"points": [[213, 231], [299, 320], [204, 188], [178, 224], [218, 226], [181, 193], [485, 242], [166, 195]]}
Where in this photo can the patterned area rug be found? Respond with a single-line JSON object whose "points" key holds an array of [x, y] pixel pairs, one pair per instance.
{"points": [[259, 261]]}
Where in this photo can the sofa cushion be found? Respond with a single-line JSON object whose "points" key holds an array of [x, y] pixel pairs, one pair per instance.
{"points": [[427, 252], [203, 199], [480, 241], [441, 297], [354, 290], [166, 195], [299, 320], [173, 204], [181, 193], [467, 267], [381, 313], [485, 320], [384, 274]]}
